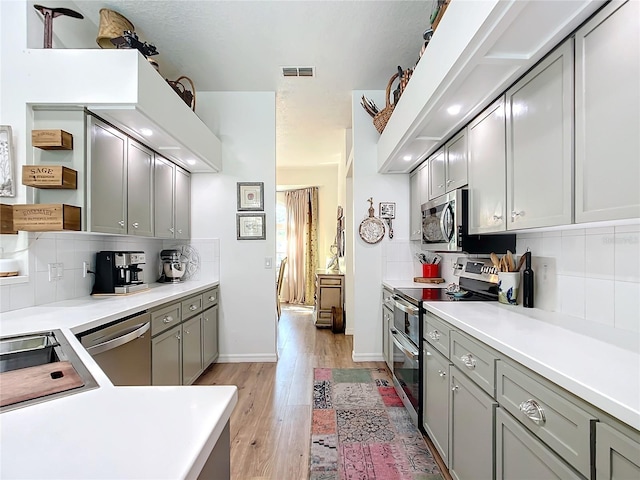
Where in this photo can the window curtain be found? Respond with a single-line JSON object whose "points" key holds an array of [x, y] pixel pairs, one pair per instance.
{"points": [[302, 244]]}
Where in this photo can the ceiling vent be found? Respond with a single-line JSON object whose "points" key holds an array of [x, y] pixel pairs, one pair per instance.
{"points": [[298, 71]]}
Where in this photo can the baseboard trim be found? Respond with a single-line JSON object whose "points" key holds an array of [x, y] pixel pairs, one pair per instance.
{"points": [[367, 357], [247, 358]]}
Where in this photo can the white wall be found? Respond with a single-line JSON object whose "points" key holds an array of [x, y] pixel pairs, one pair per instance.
{"points": [[366, 318], [325, 177], [245, 124]]}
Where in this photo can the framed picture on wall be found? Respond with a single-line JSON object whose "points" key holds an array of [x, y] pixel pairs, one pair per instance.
{"points": [[387, 210], [250, 226], [6, 162], [250, 196]]}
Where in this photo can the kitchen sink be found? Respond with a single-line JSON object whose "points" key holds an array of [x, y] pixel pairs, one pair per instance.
{"points": [[38, 367]]}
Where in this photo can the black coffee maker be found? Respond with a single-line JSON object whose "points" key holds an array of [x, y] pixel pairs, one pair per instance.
{"points": [[119, 273]]}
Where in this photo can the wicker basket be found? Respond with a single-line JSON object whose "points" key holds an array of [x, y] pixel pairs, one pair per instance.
{"points": [[112, 25], [383, 116], [186, 95]]}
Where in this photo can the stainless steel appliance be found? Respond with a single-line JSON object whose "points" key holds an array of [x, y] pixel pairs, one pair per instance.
{"points": [[405, 334], [122, 349], [174, 266], [444, 228], [477, 281], [119, 272]]}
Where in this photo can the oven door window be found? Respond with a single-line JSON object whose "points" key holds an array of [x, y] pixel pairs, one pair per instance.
{"points": [[405, 367]]}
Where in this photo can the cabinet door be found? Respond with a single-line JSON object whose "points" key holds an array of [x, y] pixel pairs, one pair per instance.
{"points": [[435, 406], [456, 162], [140, 196], [539, 143], [166, 358], [437, 175], [617, 455], [209, 336], [608, 114], [470, 430], [387, 345], [183, 204], [488, 171], [521, 456], [414, 206], [108, 179], [191, 349], [164, 176]]}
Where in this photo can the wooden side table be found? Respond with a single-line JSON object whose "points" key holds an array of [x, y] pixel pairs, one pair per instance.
{"points": [[329, 293]]}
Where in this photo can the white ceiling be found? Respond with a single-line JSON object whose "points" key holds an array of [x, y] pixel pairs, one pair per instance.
{"points": [[242, 45]]}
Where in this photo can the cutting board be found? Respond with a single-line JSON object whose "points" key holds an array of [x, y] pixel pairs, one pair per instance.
{"points": [[39, 381], [428, 280]]}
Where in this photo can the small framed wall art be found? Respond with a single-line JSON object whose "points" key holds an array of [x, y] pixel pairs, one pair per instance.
{"points": [[6, 162], [387, 210], [250, 196], [250, 226]]}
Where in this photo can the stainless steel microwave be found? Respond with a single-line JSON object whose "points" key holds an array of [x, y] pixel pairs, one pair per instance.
{"points": [[444, 228]]}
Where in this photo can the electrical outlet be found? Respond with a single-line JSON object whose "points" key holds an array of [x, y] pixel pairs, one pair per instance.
{"points": [[85, 269]]}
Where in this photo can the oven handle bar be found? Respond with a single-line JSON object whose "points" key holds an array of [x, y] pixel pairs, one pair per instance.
{"points": [[405, 307], [407, 350]]}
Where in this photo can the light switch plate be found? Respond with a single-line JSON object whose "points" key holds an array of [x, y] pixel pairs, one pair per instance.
{"points": [[268, 262]]}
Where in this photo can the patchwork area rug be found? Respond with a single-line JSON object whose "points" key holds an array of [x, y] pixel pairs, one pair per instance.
{"points": [[361, 431]]}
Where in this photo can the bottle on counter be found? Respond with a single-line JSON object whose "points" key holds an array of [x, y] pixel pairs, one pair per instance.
{"points": [[527, 282]]}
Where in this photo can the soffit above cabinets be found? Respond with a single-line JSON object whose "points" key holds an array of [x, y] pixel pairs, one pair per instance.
{"points": [[123, 88], [478, 50]]}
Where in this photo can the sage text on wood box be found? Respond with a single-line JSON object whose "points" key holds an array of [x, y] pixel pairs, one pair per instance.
{"points": [[49, 176]]}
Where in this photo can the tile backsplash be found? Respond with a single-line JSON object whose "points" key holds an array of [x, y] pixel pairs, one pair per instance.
{"points": [[72, 249], [589, 273]]}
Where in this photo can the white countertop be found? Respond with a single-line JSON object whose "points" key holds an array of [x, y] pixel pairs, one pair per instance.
{"points": [[391, 284], [587, 360], [111, 432]]}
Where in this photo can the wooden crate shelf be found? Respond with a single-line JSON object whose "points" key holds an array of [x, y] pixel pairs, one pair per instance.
{"points": [[49, 176], [41, 217], [52, 139]]}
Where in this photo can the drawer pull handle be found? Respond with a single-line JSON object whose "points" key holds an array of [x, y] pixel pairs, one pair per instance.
{"points": [[442, 373], [212, 298], [434, 335], [455, 388], [167, 319], [468, 361], [193, 307], [533, 411]]}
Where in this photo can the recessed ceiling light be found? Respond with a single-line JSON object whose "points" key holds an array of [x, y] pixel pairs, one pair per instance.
{"points": [[191, 162], [407, 158], [454, 109], [147, 132]]}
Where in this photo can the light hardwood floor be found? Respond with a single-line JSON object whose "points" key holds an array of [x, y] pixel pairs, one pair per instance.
{"points": [[271, 424]]}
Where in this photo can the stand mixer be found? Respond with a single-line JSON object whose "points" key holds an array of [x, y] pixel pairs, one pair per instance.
{"points": [[174, 266]]}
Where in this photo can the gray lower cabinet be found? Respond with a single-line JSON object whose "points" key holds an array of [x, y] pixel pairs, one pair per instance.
{"points": [[471, 429], [191, 349], [209, 336], [435, 403], [521, 456], [617, 454], [387, 342], [166, 357]]}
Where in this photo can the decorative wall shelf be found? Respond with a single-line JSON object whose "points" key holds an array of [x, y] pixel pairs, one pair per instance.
{"points": [[49, 176], [52, 139]]}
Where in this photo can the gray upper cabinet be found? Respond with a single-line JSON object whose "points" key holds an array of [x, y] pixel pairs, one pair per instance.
{"points": [[456, 162], [520, 455], [182, 204], [607, 146], [164, 176], [108, 190], [471, 427], [540, 143], [617, 455], [488, 171], [415, 220], [437, 174], [140, 196]]}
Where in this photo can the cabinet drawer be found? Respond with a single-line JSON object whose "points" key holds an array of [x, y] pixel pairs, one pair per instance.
{"points": [[519, 454], [387, 298], [436, 332], [474, 360], [330, 281], [164, 318], [209, 298], [558, 422], [191, 306]]}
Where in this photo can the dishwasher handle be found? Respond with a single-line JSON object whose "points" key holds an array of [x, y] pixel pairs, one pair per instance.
{"points": [[138, 331]]}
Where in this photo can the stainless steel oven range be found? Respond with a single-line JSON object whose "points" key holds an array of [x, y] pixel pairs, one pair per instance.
{"points": [[477, 281]]}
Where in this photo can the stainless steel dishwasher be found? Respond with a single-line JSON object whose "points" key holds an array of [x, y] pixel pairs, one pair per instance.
{"points": [[122, 349]]}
